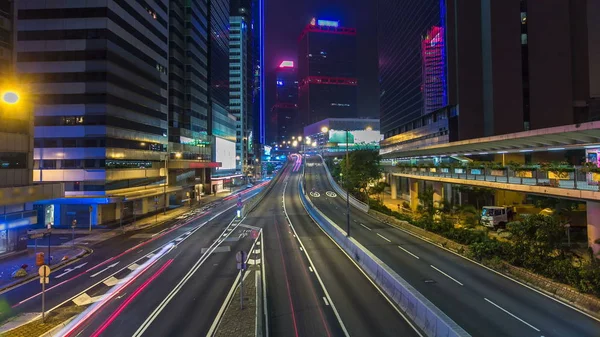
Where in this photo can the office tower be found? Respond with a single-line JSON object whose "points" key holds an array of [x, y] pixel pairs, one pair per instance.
{"points": [[326, 72], [401, 60], [285, 110], [17, 191], [191, 144], [241, 81], [99, 76], [509, 66]]}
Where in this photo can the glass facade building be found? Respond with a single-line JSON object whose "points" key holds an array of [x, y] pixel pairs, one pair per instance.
{"points": [[326, 72], [401, 60], [100, 78]]}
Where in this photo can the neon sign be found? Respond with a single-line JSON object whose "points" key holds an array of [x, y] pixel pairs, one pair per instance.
{"points": [[286, 64], [328, 23]]}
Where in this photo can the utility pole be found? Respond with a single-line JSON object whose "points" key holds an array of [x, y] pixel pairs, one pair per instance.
{"points": [[347, 188], [165, 185]]}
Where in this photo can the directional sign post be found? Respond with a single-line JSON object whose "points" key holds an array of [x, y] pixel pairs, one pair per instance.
{"points": [[44, 272], [240, 257], [73, 225]]}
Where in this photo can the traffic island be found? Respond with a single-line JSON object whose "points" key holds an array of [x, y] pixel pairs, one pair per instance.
{"points": [[236, 321], [37, 328]]}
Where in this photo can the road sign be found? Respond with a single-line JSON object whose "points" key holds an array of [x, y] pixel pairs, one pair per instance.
{"points": [[240, 257], [73, 223], [44, 280], [36, 235], [44, 271]]}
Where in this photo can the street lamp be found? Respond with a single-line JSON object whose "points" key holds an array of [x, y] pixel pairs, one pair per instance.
{"points": [[10, 97], [347, 189], [178, 155]]}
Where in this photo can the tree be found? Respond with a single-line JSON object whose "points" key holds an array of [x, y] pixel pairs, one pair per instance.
{"points": [[362, 170], [378, 189], [535, 239]]}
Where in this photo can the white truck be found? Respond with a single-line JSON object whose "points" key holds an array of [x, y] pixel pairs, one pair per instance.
{"points": [[497, 216]]}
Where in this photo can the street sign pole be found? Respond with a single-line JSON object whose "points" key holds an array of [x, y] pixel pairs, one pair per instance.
{"points": [[44, 272], [91, 209], [73, 224], [241, 266]]}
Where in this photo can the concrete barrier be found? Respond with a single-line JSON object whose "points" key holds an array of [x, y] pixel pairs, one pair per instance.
{"points": [[432, 321], [342, 193]]}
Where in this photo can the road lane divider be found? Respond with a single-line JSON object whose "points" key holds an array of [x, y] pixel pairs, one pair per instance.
{"points": [[407, 252], [314, 269], [425, 315], [366, 227], [511, 314], [448, 276], [383, 237]]}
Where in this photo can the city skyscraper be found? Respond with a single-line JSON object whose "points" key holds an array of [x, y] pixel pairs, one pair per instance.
{"points": [[17, 190], [285, 110], [486, 68], [326, 72], [99, 77], [241, 79], [190, 142]]}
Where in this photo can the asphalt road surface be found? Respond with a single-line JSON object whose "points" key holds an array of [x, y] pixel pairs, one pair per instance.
{"points": [[313, 288], [479, 300]]}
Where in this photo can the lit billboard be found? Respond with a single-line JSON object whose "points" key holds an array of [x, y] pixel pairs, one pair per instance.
{"points": [[225, 153], [356, 137]]}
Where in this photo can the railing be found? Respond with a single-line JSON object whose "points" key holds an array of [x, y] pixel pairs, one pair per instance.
{"points": [[577, 179]]}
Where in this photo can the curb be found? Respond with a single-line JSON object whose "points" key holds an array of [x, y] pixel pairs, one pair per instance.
{"points": [[85, 252]]}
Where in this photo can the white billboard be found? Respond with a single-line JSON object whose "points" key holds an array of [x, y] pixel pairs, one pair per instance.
{"points": [[225, 153]]}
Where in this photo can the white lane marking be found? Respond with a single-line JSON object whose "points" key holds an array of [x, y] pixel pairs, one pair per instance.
{"points": [[311, 264], [68, 270], [182, 282], [413, 255], [325, 299], [508, 312], [383, 237], [301, 248], [105, 269], [310, 268], [408, 321], [366, 227], [448, 276]]}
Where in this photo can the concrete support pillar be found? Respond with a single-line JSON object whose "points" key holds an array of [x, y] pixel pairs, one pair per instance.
{"points": [[118, 209], [394, 186], [593, 225], [94, 214], [145, 206], [438, 194], [414, 193]]}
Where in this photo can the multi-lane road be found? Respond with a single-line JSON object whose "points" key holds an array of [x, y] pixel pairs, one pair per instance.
{"points": [[480, 301], [173, 279], [313, 288], [115, 261]]}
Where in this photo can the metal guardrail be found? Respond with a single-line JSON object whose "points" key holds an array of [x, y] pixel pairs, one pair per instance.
{"points": [[576, 180], [421, 311], [342, 193]]}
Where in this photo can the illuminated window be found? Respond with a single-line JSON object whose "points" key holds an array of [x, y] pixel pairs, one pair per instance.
{"points": [[523, 38]]}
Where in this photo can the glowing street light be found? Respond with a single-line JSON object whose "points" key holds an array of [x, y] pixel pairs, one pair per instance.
{"points": [[299, 138], [324, 129], [10, 97], [178, 155], [369, 128], [295, 143], [314, 144]]}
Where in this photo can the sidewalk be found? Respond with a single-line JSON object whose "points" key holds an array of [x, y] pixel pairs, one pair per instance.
{"points": [[10, 265]]}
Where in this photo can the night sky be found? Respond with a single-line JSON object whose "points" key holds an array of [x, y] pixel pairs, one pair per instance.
{"points": [[285, 20]]}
